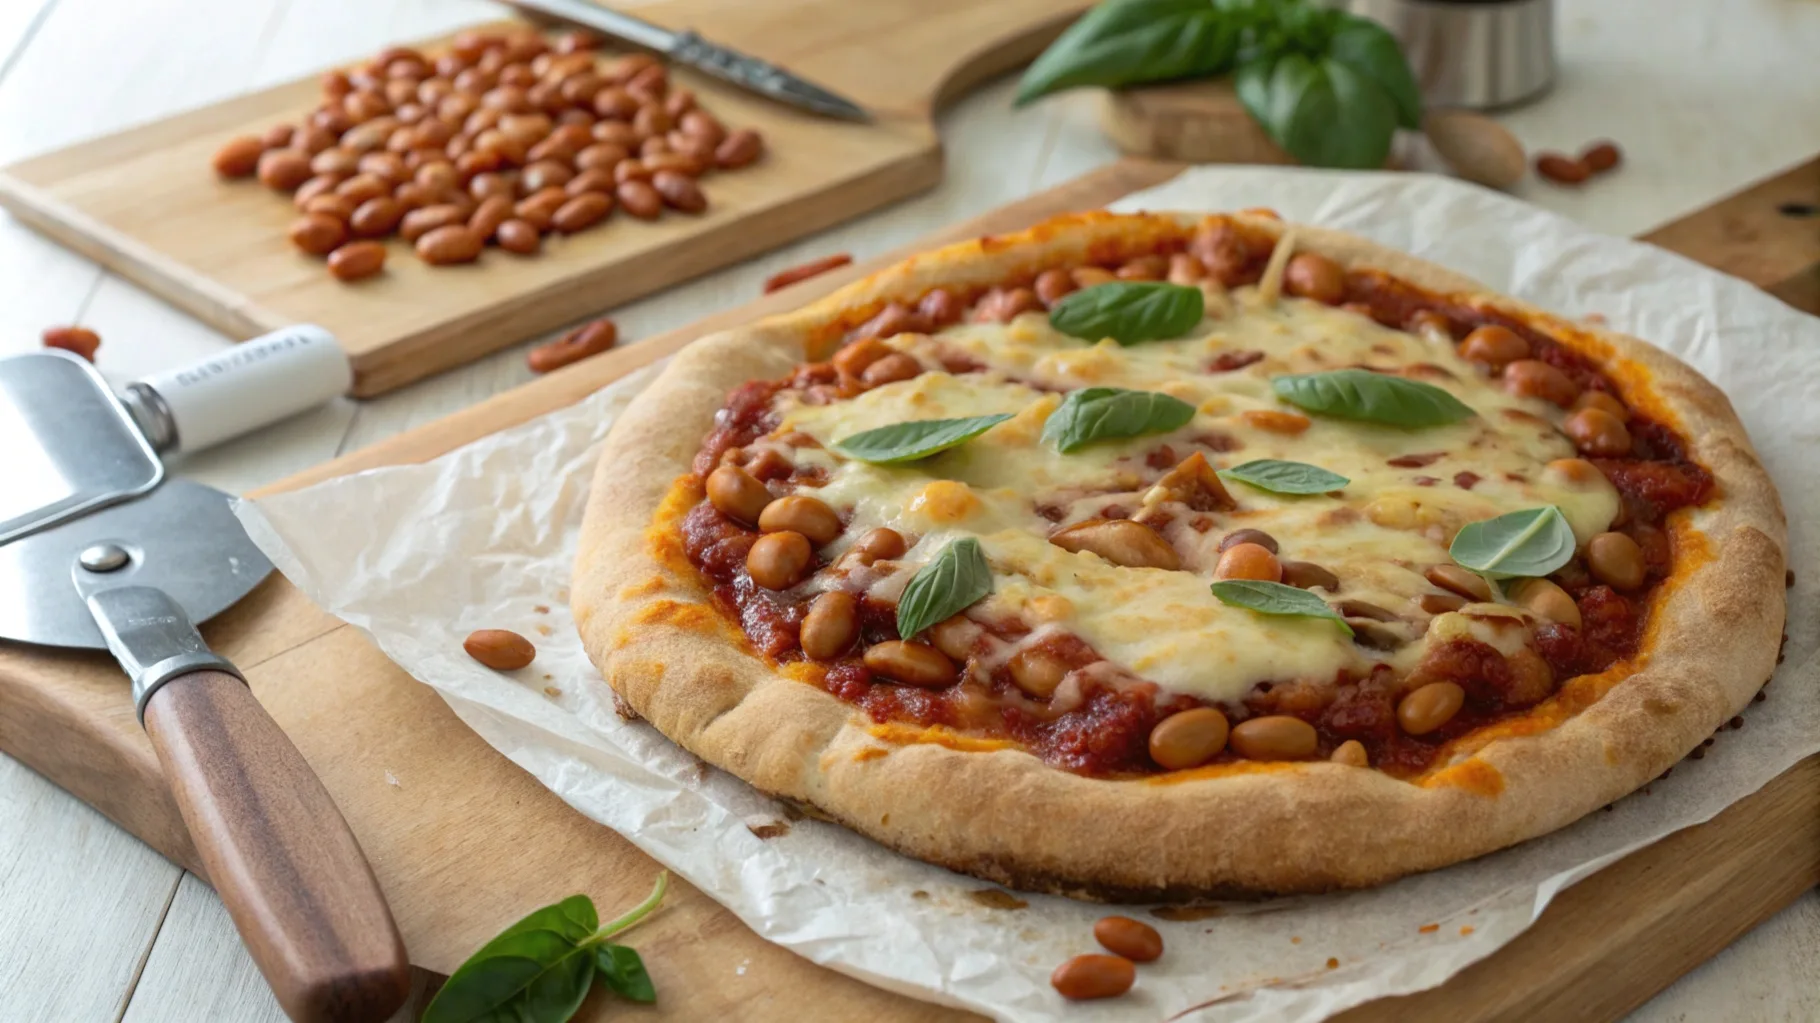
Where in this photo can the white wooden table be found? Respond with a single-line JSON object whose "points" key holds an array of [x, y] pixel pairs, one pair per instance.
{"points": [[1704, 97]]}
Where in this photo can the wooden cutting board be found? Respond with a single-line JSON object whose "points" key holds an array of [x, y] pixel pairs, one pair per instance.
{"points": [[144, 203], [464, 841]]}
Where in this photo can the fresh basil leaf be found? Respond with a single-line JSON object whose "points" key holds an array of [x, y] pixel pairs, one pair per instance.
{"points": [[1324, 113], [1275, 599], [1129, 312], [624, 972], [1369, 49], [535, 975], [1529, 543], [1286, 477], [1110, 413], [1372, 398], [1124, 42], [946, 586], [907, 442]]}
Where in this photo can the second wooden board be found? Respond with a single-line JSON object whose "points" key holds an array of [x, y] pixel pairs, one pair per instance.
{"points": [[144, 203]]}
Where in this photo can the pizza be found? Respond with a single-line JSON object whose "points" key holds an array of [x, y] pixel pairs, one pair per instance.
{"points": [[1152, 557]]}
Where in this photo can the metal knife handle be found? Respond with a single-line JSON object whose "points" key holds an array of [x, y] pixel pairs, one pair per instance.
{"points": [[282, 858], [624, 27]]}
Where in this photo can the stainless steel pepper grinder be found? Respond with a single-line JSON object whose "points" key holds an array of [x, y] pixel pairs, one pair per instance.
{"points": [[1478, 54]]}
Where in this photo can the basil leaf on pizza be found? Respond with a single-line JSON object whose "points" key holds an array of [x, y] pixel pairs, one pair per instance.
{"points": [[1528, 543], [1129, 312], [1280, 477], [946, 586], [1360, 394], [1095, 414], [1268, 598], [908, 442]]}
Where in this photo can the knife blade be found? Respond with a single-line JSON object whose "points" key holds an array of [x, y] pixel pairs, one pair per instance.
{"points": [[687, 47]]}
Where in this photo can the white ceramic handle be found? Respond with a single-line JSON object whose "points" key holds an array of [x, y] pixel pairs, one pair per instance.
{"points": [[258, 382]]}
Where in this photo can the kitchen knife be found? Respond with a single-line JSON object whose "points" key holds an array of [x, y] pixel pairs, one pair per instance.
{"points": [[686, 47]]}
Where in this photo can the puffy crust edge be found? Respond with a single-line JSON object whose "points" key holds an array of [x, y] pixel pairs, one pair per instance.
{"points": [[1005, 816]]}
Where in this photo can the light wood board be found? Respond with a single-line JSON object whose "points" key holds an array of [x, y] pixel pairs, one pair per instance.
{"points": [[144, 203], [464, 840]]}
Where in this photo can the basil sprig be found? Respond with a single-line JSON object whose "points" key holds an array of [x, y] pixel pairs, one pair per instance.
{"points": [[907, 442], [1329, 87], [1521, 544], [1276, 599], [1110, 413], [946, 586], [1281, 477], [1372, 398], [1129, 312], [539, 969]]}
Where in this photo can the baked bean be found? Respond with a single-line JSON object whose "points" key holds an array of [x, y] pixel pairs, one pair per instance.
{"points": [[1276, 421], [1188, 739], [1249, 561], [1314, 276], [493, 184], [678, 103], [518, 236], [1037, 671], [1002, 305], [955, 636], [318, 233], [563, 143], [451, 243], [879, 544], [1440, 603], [540, 209], [526, 129], [546, 174], [600, 156], [1351, 753], [940, 307], [639, 199], [1468, 584], [1362, 609], [1121, 541], [78, 341], [1616, 560], [500, 649], [778, 561], [364, 105], [631, 169], [651, 120], [330, 205], [589, 339], [389, 167], [1133, 939], [1143, 268], [278, 136], [313, 140], [437, 176], [802, 514], [413, 196], [677, 163], [239, 157], [649, 84], [679, 191], [1597, 432], [590, 181], [1547, 601], [1052, 286], [355, 260], [615, 104], [1086, 977], [1533, 378], [579, 88], [913, 664], [1274, 737], [1494, 345], [1603, 401], [507, 99], [802, 272], [737, 494], [410, 113], [1091, 276], [739, 149], [418, 223], [702, 125], [1306, 575], [1562, 169], [1601, 156], [1430, 707], [582, 212], [375, 218], [487, 217], [1256, 536], [319, 185], [283, 169], [361, 187], [853, 358], [830, 626], [1575, 470], [891, 369]]}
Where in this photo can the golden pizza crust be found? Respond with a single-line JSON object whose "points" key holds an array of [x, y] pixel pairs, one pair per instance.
{"points": [[1004, 815]]}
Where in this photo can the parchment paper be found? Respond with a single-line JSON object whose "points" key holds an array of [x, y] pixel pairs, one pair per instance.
{"points": [[418, 556]]}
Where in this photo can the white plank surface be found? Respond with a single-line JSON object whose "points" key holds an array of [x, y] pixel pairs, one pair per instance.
{"points": [[94, 926]]}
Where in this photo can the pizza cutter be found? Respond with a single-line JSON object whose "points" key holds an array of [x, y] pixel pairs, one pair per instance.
{"points": [[98, 550]]}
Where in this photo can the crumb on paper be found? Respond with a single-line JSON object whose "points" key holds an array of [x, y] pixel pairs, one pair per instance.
{"points": [[768, 828], [996, 898], [551, 691], [1466, 930], [544, 630], [623, 709], [1333, 964], [547, 676], [542, 609], [1295, 939], [1429, 928], [919, 894], [741, 968], [392, 780]]}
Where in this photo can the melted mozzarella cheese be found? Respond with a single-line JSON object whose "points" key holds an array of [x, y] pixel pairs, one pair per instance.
{"points": [[1010, 490]]}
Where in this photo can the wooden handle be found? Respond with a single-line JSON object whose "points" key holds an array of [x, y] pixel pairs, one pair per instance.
{"points": [[278, 852]]}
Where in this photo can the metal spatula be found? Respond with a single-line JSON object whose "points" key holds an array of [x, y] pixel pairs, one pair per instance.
{"points": [[98, 550]]}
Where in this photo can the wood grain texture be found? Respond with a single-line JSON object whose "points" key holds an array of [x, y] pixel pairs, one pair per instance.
{"points": [[1767, 233], [278, 852], [142, 202], [340, 700], [1196, 121]]}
